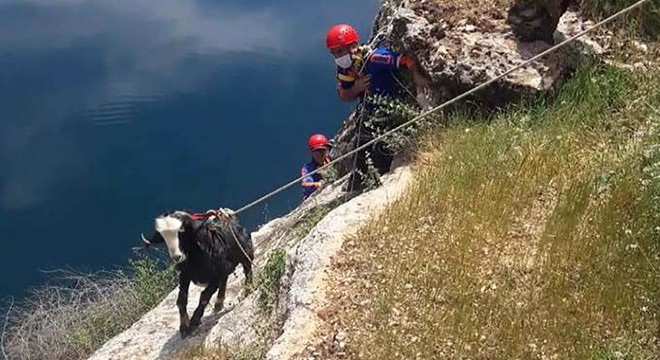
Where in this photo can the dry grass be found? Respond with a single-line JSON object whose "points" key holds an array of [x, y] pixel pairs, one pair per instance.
{"points": [[219, 353], [77, 313], [534, 236]]}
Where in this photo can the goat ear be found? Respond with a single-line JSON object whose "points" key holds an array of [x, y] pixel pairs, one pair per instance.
{"points": [[187, 220]]}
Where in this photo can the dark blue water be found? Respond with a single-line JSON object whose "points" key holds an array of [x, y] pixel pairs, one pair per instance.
{"points": [[112, 112]]}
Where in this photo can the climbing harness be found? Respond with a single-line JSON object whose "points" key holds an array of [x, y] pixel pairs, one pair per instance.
{"points": [[445, 104], [222, 213]]}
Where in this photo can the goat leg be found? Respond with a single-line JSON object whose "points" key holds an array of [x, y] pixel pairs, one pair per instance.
{"points": [[182, 303], [247, 270], [222, 288], [204, 299]]}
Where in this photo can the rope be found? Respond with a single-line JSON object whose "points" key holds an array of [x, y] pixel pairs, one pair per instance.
{"points": [[447, 103], [408, 91], [240, 246], [354, 175]]}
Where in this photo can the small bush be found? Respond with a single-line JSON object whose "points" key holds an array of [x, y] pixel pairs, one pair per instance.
{"points": [[268, 280], [152, 280], [378, 115], [389, 113]]}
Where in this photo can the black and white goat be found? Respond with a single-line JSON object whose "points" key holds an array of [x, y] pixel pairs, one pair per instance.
{"points": [[205, 251]]}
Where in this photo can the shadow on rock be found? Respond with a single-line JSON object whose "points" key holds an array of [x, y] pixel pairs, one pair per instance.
{"points": [[175, 344]]}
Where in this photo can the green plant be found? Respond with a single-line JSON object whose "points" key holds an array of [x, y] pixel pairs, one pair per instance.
{"points": [[380, 114], [152, 279], [330, 174], [385, 113], [268, 280], [370, 179], [311, 219]]}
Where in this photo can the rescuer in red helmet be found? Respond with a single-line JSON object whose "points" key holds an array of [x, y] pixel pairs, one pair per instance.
{"points": [[319, 146], [360, 69], [365, 71]]}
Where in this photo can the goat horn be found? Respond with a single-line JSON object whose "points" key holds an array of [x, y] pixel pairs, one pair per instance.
{"points": [[144, 239]]}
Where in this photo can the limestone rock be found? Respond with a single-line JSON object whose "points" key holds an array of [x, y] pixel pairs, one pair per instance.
{"points": [[461, 47]]}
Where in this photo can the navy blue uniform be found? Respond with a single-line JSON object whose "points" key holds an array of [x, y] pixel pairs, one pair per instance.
{"points": [[311, 182], [380, 65]]}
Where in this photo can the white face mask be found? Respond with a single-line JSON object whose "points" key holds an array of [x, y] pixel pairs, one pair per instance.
{"points": [[344, 62]]}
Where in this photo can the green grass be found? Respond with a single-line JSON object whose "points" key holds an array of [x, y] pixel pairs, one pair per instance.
{"points": [[268, 280], [644, 20], [310, 220], [534, 234]]}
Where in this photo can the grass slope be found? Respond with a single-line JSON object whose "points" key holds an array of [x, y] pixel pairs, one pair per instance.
{"points": [[534, 234]]}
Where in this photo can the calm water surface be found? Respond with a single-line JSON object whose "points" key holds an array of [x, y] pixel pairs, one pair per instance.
{"points": [[112, 112]]}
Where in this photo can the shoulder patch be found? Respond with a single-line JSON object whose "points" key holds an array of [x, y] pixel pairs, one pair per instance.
{"points": [[381, 59]]}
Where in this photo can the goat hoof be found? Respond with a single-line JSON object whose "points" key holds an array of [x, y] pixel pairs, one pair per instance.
{"points": [[218, 307], [194, 324], [184, 331]]}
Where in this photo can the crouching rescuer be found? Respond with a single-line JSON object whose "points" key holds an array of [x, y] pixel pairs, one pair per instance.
{"points": [[319, 146], [370, 75]]}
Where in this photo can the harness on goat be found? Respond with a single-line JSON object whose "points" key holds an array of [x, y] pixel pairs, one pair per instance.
{"points": [[219, 219]]}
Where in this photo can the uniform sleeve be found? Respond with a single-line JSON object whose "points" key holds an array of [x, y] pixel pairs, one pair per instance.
{"points": [[345, 78], [389, 60], [308, 180]]}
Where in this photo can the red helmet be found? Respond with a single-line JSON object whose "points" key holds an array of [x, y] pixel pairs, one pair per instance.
{"points": [[341, 35], [317, 141]]}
